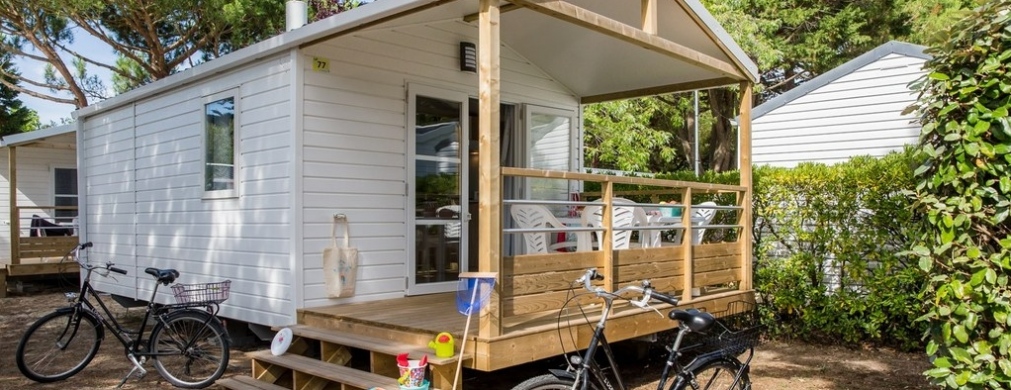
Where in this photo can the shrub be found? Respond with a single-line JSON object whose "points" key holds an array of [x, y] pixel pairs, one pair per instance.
{"points": [[962, 189], [827, 247]]}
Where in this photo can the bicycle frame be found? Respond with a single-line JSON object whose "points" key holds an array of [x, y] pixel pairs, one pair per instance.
{"points": [[133, 345], [599, 340], [588, 369]]}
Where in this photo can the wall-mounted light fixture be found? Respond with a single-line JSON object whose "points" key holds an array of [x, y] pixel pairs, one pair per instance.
{"points": [[468, 57]]}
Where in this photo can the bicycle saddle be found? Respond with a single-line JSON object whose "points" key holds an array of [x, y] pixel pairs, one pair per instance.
{"points": [[165, 276], [697, 321]]}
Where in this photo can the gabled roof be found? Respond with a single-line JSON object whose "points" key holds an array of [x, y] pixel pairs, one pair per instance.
{"points": [[585, 44], [892, 47]]}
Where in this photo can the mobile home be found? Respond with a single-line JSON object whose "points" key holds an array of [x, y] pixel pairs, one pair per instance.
{"points": [[419, 122]]}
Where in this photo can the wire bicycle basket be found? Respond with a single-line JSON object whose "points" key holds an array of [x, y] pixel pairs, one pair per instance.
{"points": [[202, 292], [737, 329]]}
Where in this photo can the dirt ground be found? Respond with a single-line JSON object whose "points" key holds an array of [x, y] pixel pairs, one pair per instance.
{"points": [[777, 365]]}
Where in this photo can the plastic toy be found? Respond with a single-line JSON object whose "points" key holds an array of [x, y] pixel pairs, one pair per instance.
{"points": [[443, 345]]}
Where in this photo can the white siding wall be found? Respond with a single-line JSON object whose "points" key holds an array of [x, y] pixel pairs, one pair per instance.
{"points": [[857, 114], [35, 187], [144, 179], [355, 140]]}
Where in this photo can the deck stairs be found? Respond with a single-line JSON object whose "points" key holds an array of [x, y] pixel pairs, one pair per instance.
{"points": [[327, 358]]}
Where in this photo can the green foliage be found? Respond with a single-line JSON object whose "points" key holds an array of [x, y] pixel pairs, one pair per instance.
{"points": [[962, 190], [827, 244], [619, 135], [14, 116], [322, 9]]}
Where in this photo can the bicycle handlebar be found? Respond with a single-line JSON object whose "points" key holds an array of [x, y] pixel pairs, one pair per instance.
{"points": [[646, 290], [88, 267]]}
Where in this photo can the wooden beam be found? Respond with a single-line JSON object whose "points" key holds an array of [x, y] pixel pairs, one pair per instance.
{"points": [[618, 30], [744, 129], [566, 175], [607, 239], [686, 244], [490, 187], [712, 36], [54, 268], [52, 145], [649, 16], [12, 182], [658, 90], [501, 10]]}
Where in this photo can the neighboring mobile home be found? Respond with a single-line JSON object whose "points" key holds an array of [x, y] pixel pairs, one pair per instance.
{"points": [[854, 109], [384, 116], [41, 187]]}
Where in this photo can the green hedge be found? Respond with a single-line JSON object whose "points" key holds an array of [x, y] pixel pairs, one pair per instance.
{"points": [[964, 191], [827, 249], [855, 214]]}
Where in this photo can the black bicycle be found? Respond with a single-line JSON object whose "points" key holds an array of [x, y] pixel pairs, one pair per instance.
{"points": [[714, 365], [188, 343]]}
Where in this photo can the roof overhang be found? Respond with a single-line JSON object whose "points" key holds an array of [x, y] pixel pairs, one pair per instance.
{"points": [[612, 49], [61, 137], [600, 49]]}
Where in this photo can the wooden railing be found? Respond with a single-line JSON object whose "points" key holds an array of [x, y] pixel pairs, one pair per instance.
{"points": [[536, 286], [39, 241]]}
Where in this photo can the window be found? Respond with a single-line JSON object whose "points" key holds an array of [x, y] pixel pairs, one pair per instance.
{"points": [[220, 151], [65, 194]]}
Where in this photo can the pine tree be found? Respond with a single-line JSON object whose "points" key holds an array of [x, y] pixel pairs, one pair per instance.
{"points": [[14, 116]]}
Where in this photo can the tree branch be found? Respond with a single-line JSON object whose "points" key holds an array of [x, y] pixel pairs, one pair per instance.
{"points": [[124, 50], [33, 82], [32, 93]]}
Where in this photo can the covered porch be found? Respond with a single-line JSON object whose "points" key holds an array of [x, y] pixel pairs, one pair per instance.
{"points": [[533, 312], [42, 203]]}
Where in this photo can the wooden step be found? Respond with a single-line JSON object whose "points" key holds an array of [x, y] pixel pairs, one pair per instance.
{"points": [[387, 347], [242, 382], [309, 372]]}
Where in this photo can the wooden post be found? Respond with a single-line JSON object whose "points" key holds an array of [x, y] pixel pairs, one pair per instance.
{"points": [[744, 127], [607, 240], [3, 282], [490, 187], [687, 247], [12, 168], [649, 16]]}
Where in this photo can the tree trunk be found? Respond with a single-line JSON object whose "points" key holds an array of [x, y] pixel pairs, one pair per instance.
{"points": [[723, 138]]}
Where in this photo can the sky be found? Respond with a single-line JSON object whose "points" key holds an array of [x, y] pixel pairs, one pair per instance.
{"points": [[52, 111]]}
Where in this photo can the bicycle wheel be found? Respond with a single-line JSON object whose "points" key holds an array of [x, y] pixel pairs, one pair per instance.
{"points": [[190, 349], [545, 382], [717, 375], [58, 346]]}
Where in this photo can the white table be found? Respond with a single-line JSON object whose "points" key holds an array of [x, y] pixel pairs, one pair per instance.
{"points": [[654, 239]]}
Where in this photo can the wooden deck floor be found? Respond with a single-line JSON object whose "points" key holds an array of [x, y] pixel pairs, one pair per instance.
{"points": [[425, 314], [416, 320]]}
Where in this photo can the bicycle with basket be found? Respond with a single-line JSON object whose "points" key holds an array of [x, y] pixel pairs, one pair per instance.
{"points": [[711, 362], [188, 343]]}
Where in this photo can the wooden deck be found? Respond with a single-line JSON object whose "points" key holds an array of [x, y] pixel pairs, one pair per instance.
{"points": [[416, 320], [35, 267]]}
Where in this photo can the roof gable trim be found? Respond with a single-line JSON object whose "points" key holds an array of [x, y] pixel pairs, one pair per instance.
{"points": [[892, 47]]}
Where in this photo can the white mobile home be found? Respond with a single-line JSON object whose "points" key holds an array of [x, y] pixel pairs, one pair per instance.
{"points": [[413, 119], [854, 109], [40, 208]]}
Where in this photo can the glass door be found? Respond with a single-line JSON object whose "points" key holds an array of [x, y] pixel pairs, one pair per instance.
{"points": [[550, 144], [439, 167]]}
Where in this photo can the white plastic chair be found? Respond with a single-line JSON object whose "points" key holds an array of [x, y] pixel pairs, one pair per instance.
{"points": [[624, 217], [704, 216], [529, 216]]}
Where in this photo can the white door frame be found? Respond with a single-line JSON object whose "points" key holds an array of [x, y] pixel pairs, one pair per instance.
{"points": [[413, 91]]}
